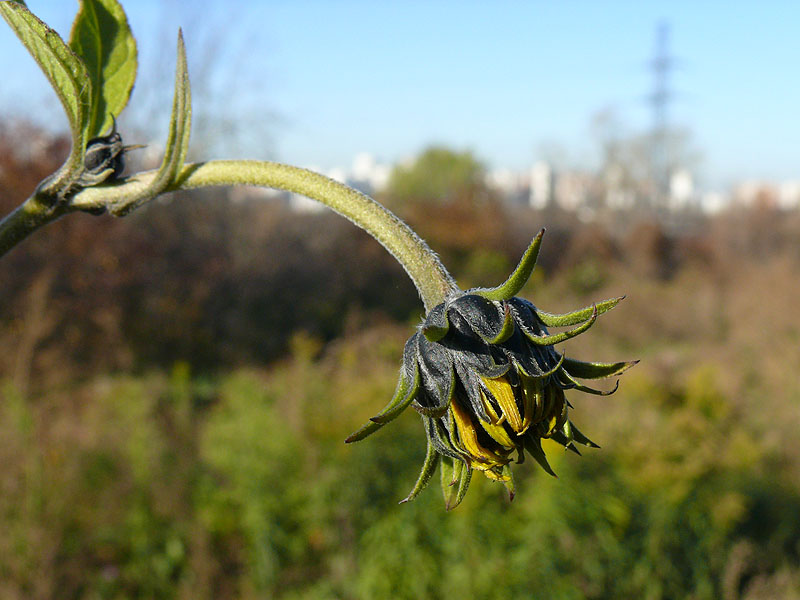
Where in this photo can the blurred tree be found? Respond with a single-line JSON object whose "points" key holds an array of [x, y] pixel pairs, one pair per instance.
{"points": [[439, 175]]}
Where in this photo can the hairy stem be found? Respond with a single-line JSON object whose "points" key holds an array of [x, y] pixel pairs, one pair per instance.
{"points": [[430, 277]]}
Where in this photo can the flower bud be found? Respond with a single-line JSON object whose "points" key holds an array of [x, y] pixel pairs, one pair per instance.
{"points": [[105, 158], [483, 371]]}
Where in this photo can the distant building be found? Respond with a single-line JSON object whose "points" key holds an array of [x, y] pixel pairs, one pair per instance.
{"points": [[367, 175], [789, 195], [584, 192], [541, 185], [616, 194], [512, 185], [713, 202], [572, 190], [681, 190]]}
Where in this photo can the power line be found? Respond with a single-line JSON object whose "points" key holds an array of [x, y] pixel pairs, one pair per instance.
{"points": [[661, 66]]}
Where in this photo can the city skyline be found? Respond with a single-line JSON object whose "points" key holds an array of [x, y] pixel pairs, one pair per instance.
{"points": [[541, 184]]}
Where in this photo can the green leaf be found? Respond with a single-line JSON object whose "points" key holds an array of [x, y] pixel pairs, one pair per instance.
{"points": [[436, 324], [403, 396], [557, 338], [432, 458], [181, 120], [102, 38], [573, 384], [506, 331], [66, 73], [177, 138], [590, 370], [565, 440], [518, 278], [578, 316], [580, 438], [534, 447], [456, 476], [509, 483]]}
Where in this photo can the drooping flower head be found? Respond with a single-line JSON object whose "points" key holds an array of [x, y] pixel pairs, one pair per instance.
{"points": [[483, 371]]}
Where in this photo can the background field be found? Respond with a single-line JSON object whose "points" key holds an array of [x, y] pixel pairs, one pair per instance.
{"points": [[177, 386]]}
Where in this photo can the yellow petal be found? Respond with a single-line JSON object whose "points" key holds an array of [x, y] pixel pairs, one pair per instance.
{"points": [[503, 475], [495, 426], [493, 418], [484, 459], [498, 434], [504, 394]]}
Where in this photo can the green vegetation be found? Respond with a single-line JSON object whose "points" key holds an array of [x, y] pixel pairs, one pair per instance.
{"points": [[240, 486], [182, 431], [438, 175]]}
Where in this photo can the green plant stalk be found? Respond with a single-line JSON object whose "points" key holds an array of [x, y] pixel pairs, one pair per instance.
{"points": [[429, 275], [427, 272], [24, 220]]}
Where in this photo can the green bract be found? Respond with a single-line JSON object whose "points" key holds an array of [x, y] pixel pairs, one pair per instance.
{"points": [[483, 372]]}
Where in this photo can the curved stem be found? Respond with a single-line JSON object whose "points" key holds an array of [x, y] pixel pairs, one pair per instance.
{"points": [[429, 275]]}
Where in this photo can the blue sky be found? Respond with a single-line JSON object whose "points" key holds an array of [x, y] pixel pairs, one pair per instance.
{"points": [[508, 80]]}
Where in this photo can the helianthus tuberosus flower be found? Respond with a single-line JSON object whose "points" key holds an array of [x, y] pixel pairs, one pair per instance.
{"points": [[483, 371]]}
